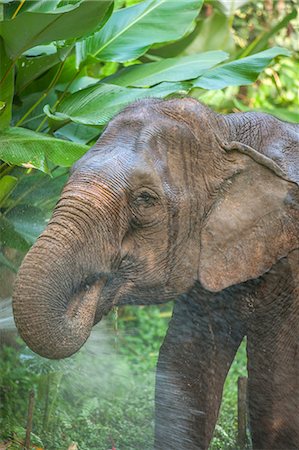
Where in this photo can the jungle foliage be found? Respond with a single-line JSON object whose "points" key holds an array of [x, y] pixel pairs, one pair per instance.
{"points": [[73, 65], [69, 68]]}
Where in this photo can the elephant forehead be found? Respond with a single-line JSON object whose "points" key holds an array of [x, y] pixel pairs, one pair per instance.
{"points": [[110, 185]]}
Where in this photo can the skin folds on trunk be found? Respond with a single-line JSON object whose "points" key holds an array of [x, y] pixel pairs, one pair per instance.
{"points": [[55, 321], [55, 300]]}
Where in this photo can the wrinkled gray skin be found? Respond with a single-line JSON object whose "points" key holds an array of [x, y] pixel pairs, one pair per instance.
{"points": [[177, 202]]}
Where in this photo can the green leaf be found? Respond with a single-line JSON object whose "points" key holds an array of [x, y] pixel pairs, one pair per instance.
{"points": [[34, 118], [38, 189], [96, 105], [25, 147], [213, 33], [6, 87], [240, 72], [7, 184], [49, 5], [32, 28], [42, 50], [31, 68], [28, 221], [78, 84], [9, 237], [81, 134], [171, 69], [130, 32]]}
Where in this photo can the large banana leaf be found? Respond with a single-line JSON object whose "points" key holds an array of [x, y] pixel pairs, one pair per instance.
{"points": [[130, 32], [32, 28], [240, 72], [25, 147], [171, 69], [96, 105]]}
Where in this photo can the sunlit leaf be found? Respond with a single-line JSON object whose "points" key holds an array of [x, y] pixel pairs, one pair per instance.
{"points": [[22, 147], [78, 84], [240, 72], [96, 105], [171, 69], [131, 31]]}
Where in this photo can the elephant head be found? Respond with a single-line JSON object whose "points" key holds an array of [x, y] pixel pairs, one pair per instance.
{"points": [[171, 194]]}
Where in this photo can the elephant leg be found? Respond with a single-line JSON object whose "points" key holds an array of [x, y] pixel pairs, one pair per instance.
{"points": [[273, 361], [204, 334]]}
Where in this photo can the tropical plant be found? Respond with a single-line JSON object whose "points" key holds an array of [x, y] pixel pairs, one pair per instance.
{"points": [[72, 65]]}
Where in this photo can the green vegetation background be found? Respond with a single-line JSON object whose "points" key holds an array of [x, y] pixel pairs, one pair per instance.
{"points": [[104, 396]]}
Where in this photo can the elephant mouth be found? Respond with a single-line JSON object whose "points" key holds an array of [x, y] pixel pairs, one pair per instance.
{"points": [[112, 295], [87, 293]]}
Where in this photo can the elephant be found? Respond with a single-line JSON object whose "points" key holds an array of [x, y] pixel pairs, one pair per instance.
{"points": [[178, 202]]}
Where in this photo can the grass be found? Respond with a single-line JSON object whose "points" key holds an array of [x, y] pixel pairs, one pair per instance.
{"points": [[103, 396], [226, 429]]}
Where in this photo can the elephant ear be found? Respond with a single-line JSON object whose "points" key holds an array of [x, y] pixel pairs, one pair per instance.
{"points": [[253, 222]]}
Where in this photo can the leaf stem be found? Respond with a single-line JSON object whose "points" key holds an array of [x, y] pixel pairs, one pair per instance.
{"points": [[152, 57], [41, 124], [18, 9], [33, 118], [44, 95], [60, 98], [30, 110]]}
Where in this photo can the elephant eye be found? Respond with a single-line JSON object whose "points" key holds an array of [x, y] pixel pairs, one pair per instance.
{"points": [[145, 199]]}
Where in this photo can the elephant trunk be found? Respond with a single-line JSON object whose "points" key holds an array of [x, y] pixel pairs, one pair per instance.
{"points": [[58, 289]]}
